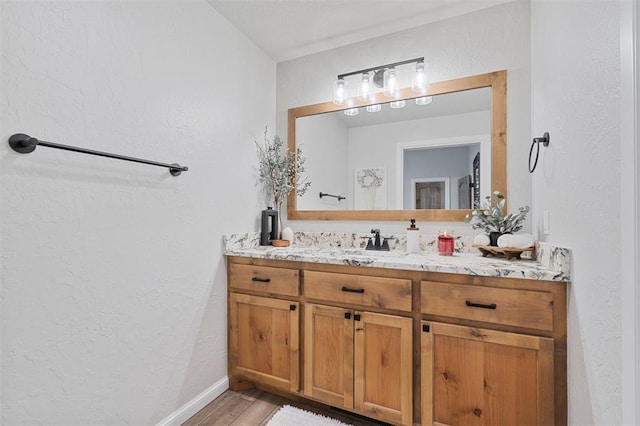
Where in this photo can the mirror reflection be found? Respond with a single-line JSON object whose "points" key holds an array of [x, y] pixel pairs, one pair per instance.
{"points": [[426, 161], [425, 155]]}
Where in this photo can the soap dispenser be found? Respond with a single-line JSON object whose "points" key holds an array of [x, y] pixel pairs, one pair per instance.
{"points": [[413, 238]]}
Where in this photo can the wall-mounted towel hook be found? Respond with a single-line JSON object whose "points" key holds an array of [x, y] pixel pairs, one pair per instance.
{"points": [[25, 144], [544, 140]]}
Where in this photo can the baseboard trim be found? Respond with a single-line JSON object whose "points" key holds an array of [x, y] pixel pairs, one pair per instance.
{"points": [[187, 411]]}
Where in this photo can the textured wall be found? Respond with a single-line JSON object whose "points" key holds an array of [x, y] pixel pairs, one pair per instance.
{"points": [[325, 163], [492, 39], [576, 89], [113, 282]]}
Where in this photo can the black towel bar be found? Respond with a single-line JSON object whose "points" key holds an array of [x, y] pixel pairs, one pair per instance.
{"points": [[25, 144], [339, 197]]}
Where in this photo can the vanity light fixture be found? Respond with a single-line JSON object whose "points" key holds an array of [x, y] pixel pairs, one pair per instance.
{"points": [[419, 80], [351, 111], [424, 100], [340, 92], [374, 108], [365, 93], [385, 77], [390, 85], [398, 104]]}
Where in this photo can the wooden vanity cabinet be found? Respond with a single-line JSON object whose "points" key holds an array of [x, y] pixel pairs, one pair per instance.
{"points": [[264, 330], [475, 376], [328, 354], [490, 357], [354, 358], [403, 347]]}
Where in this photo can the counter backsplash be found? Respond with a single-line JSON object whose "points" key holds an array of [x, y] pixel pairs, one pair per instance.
{"points": [[547, 255]]}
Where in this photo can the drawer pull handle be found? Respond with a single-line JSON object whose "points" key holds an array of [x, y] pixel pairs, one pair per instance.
{"points": [[261, 280], [480, 305], [353, 290]]}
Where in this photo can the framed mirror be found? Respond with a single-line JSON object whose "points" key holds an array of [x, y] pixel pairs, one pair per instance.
{"points": [[431, 160]]}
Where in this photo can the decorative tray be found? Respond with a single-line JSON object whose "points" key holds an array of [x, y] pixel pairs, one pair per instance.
{"points": [[508, 252]]}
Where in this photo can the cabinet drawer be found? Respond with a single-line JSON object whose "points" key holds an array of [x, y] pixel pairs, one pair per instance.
{"points": [[520, 308], [265, 279], [390, 293]]}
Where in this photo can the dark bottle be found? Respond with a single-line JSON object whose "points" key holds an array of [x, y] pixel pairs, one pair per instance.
{"points": [[269, 229]]}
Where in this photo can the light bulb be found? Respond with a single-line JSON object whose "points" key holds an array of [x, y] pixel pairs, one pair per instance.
{"points": [[419, 80], [374, 108], [425, 100], [397, 104], [340, 92], [390, 83], [366, 88], [351, 111]]}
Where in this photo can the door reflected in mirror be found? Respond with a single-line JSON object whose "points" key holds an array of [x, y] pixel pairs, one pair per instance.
{"points": [[442, 178]]}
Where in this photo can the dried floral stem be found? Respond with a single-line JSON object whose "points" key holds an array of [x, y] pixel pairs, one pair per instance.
{"points": [[280, 170]]}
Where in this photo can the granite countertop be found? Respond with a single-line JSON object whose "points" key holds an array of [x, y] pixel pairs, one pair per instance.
{"points": [[551, 263]]}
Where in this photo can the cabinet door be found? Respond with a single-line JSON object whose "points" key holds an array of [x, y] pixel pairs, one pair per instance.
{"points": [[328, 354], [263, 340], [383, 367], [474, 376]]}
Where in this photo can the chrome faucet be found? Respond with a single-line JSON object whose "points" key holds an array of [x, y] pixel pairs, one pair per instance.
{"points": [[376, 244]]}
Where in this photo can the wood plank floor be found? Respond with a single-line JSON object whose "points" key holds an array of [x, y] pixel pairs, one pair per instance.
{"points": [[254, 407]]}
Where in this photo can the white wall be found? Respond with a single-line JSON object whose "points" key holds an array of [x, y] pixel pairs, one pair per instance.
{"points": [[630, 208], [576, 90], [325, 163], [113, 282], [488, 40]]}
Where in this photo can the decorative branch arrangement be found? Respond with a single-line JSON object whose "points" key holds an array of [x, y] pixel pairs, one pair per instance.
{"points": [[280, 170], [490, 217]]}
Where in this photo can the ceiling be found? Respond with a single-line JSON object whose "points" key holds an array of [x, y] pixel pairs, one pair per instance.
{"points": [[289, 29]]}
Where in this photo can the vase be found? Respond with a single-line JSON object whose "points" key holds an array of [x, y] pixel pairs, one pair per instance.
{"points": [[287, 234], [493, 237]]}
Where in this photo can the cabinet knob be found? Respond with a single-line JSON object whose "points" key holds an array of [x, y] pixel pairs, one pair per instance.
{"points": [[477, 412]]}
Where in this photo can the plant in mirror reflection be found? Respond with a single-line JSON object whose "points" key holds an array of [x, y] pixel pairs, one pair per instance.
{"points": [[490, 216], [280, 170]]}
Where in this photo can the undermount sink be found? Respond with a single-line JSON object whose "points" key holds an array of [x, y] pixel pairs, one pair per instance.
{"points": [[368, 253]]}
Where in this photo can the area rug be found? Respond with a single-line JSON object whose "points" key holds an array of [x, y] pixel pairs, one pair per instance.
{"points": [[293, 416]]}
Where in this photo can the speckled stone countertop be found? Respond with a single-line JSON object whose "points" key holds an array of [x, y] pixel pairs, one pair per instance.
{"points": [[551, 263]]}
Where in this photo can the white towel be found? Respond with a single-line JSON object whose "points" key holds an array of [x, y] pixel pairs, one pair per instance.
{"points": [[481, 240], [516, 241]]}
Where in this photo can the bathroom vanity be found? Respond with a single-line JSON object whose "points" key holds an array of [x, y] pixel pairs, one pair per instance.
{"points": [[402, 338]]}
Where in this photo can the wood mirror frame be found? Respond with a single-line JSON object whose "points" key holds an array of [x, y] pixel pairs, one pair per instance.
{"points": [[497, 81]]}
